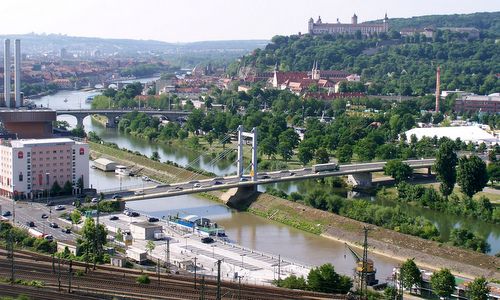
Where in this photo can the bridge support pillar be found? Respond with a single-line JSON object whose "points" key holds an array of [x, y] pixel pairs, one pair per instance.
{"points": [[79, 121], [254, 154], [360, 179], [239, 197]]}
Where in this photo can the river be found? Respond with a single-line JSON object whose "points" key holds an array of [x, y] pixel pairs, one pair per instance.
{"points": [[244, 228]]}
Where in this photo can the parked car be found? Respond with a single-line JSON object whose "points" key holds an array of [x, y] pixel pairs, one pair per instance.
{"points": [[49, 237], [94, 200], [207, 240], [134, 214], [60, 207], [44, 216], [116, 196], [6, 213], [197, 185], [153, 219], [113, 218], [54, 225], [66, 230], [30, 224], [217, 182]]}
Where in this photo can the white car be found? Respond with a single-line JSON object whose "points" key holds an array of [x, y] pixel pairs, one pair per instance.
{"points": [[197, 185], [139, 192]]}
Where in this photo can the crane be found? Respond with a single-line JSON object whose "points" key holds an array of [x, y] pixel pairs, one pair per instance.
{"points": [[364, 271]]}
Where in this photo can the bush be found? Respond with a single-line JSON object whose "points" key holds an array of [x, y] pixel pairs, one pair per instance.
{"points": [[143, 279]]}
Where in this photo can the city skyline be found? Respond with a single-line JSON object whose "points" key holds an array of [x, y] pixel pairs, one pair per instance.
{"points": [[195, 20]]}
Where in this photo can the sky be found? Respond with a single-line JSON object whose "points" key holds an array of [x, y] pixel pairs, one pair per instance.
{"points": [[201, 20]]}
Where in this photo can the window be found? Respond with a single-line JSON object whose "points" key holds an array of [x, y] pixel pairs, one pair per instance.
{"points": [[20, 176]]}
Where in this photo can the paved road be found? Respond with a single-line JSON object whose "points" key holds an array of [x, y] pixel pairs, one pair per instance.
{"points": [[219, 183]]}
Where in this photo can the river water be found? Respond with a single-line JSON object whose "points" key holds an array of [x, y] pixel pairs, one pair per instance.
{"points": [[244, 228]]}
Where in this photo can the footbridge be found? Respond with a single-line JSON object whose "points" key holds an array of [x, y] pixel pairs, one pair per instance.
{"points": [[112, 114], [247, 179]]}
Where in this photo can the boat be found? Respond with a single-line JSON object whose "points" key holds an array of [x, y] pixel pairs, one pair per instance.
{"points": [[195, 224], [122, 170]]}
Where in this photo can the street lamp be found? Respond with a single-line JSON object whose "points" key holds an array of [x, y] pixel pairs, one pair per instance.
{"points": [[48, 193], [13, 204], [242, 255]]}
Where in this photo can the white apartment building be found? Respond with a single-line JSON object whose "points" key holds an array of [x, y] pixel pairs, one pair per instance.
{"points": [[28, 167]]}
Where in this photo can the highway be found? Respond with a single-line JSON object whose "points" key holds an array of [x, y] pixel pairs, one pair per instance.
{"points": [[220, 183]]}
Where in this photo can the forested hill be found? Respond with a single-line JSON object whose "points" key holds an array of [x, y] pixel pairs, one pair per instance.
{"points": [[487, 22], [390, 63]]}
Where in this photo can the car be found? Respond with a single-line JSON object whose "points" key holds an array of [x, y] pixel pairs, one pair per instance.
{"points": [[50, 203], [145, 178], [49, 237], [6, 213], [265, 177], [134, 214], [292, 173], [207, 240], [197, 185], [54, 225], [113, 218], [139, 192], [217, 182], [44, 216], [30, 224], [153, 219], [94, 200], [116, 196], [243, 179], [66, 230], [178, 188], [60, 207]]}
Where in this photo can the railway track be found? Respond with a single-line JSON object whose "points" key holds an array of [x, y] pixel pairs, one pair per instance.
{"points": [[108, 280]]}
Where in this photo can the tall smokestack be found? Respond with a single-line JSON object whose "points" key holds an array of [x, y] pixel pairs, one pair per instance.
{"points": [[438, 87], [6, 74], [17, 64]]}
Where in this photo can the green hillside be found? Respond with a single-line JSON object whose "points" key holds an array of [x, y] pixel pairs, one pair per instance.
{"points": [[392, 64]]}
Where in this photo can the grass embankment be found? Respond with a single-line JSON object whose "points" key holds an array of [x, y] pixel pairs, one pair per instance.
{"points": [[428, 254], [100, 119], [156, 170]]}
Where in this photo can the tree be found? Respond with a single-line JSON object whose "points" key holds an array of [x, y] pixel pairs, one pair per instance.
{"points": [[462, 237], [398, 170], [67, 188], [325, 279], [443, 283], [268, 146], [478, 289], [471, 175], [285, 149], [75, 216], [56, 188], [365, 149], [321, 156], [344, 153], [306, 151], [155, 156], [494, 172], [410, 274], [150, 246], [92, 239], [446, 161]]}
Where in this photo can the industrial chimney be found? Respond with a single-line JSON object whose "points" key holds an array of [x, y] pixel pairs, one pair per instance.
{"points": [[438, 88], [17, 82], [6, 75]]}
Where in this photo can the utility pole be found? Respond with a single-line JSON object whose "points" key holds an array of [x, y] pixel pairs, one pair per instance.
{"points": [[53, 264], [158, 269], [279, 269], [70, 273], [59, 273], [10, 254], [239, 287], [218, 296], [195, 267], [202, 291], [364, 270]]}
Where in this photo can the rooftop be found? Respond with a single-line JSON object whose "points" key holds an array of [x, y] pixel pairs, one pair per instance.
{"points": [[465, 133], [30, 142], [145, 225]]}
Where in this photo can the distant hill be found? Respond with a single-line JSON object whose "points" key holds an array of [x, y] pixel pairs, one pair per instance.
{"points": [[488, 22], [52, 43]]}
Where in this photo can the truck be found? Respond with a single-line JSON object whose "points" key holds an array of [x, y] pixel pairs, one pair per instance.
{"points": [[325, 167], [137, 255], [159, 235]]}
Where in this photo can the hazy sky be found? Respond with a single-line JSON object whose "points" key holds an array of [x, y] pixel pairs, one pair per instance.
{"points": [[195, 20]]}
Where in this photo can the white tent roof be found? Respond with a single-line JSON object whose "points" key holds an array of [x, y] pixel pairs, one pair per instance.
{"points": [[465, 133]]}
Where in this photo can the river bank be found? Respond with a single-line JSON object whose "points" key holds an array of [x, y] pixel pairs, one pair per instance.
{"points": [[428, 254]]}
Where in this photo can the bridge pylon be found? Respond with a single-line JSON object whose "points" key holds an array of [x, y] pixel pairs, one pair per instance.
{"points": [[241, 140]]}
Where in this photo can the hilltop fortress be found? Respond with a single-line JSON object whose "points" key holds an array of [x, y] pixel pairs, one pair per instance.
{"points": [[319, 27]]}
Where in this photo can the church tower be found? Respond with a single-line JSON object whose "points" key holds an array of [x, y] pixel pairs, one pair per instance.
{"points": [[354, 19], [310, 26]]}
